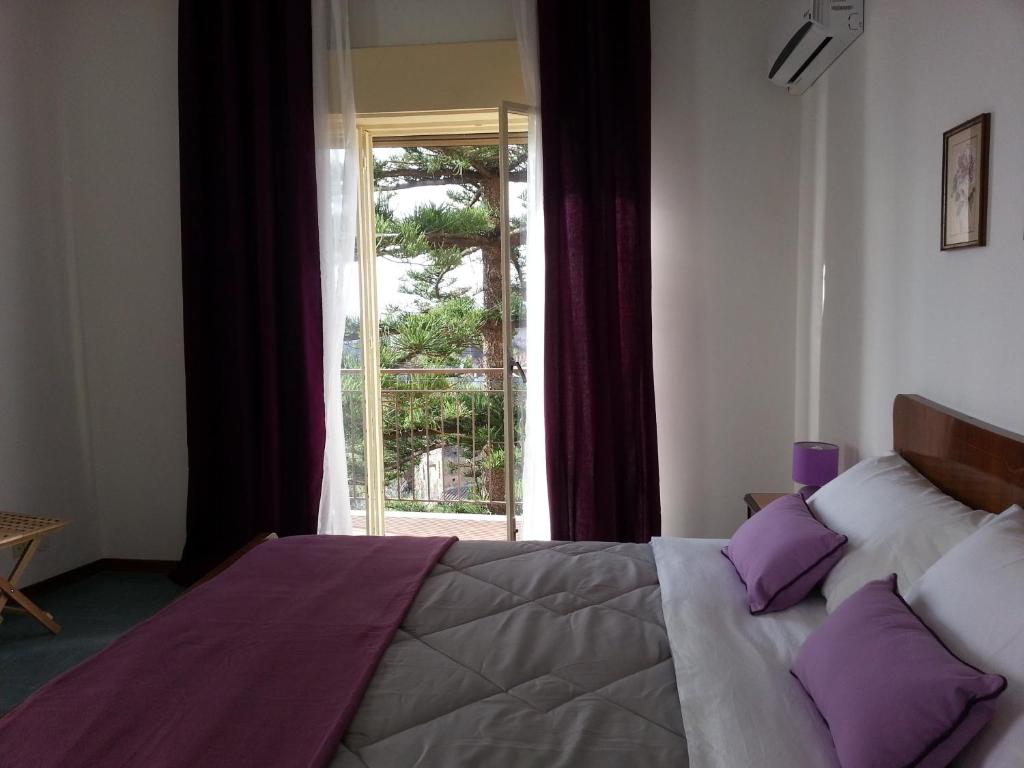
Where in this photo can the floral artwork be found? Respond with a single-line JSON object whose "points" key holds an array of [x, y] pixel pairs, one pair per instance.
{"points": [[965, 180], [964, 204]]}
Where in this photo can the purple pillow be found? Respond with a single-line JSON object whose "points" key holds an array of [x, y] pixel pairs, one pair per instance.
{"points": [[782, 553], [890, 692]]}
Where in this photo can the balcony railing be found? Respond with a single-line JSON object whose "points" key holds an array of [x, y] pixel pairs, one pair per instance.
{"points": [[443, 434]]}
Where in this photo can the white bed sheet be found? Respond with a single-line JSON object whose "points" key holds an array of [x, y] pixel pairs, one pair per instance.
{"points": [[740, 704]]}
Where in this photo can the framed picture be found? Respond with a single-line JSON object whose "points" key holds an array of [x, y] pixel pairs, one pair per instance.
{"points": [[965, 183]]}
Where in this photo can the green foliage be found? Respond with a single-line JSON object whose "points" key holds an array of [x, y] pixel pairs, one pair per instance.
{"points": [[435, 337], [449, 327], [464, 166]]}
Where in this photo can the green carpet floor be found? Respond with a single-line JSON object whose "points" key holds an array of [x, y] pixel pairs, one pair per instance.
{"points": [[92, 613]]}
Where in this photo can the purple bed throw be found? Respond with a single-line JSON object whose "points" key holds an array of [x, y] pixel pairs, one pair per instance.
{"points": [[264, 665]]}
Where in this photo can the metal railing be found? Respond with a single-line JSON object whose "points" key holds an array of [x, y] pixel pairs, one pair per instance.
{"points": [[443, 438]]}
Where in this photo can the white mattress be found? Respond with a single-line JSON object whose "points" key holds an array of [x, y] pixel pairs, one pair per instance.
{"points": [[740, 704]]}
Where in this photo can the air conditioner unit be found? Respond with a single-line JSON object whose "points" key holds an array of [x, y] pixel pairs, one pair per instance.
{"points": [[810, 35]]}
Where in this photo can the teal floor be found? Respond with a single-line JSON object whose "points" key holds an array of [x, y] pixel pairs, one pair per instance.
{"points": [[92, 613]]}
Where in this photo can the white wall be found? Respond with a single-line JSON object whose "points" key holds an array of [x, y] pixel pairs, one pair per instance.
{"points": [[901, 315], [43, 439], [92, 414], [725, 158], [120, 109], [418, 22]]}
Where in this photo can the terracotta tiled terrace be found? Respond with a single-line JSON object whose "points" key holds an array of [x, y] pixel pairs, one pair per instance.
{"points": [[466, 527]]}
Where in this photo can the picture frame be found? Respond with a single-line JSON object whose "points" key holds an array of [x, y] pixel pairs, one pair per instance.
{"points": [[965, 157]]}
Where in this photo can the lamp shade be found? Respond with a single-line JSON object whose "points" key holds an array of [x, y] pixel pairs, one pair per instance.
{"points": [[815, 463]]}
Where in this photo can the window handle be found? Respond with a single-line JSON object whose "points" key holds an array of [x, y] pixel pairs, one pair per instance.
{"points": [[514, 366]]}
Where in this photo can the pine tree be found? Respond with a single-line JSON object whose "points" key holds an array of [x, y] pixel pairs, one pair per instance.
{"points": [[447, 320]]}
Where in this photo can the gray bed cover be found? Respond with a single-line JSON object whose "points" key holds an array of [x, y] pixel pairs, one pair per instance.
{"points": [[526, 654]]}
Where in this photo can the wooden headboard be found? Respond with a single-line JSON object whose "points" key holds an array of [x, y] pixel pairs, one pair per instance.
{"points": [[981, 465]]}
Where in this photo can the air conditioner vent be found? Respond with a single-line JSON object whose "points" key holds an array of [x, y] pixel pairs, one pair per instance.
{"points": [[794, 41], [808, 35], [810, 60]]}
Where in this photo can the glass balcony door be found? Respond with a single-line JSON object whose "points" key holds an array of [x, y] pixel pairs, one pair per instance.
{"points": [[442, 310]]}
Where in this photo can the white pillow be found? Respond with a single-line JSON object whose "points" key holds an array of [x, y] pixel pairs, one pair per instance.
{"points": [[895, 520], [973, 598]]}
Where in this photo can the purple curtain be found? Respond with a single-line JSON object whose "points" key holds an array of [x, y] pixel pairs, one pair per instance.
{"points": [[250, 274], [602, 452]]}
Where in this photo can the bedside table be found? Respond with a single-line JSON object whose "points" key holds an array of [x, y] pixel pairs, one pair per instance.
{"points": [[757, 501]]}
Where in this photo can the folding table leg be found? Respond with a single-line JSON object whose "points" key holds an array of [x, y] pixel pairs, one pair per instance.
{"points": [[8, 590]]}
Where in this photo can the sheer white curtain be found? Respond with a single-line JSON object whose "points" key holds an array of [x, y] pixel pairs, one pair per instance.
{"points": [[337, 178], [536, 519]]}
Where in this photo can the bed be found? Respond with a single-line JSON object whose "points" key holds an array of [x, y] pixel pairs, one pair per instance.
{"points": [[568, 654], [557, 654]]}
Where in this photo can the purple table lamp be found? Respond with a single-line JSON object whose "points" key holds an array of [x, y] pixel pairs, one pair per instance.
{"points": [[814, 464]]}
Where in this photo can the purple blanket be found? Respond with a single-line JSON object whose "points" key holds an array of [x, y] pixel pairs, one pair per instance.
{"points": [[262, 666]]}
